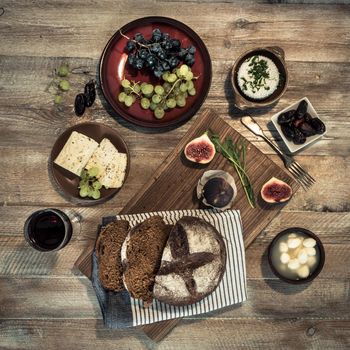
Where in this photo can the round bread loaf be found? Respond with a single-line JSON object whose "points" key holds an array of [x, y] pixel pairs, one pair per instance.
{"points": [[193, 263]]}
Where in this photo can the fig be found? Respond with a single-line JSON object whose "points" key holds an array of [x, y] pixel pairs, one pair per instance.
{"points": [[200, 150], [318, 126], [276, 191], [217, 189]]}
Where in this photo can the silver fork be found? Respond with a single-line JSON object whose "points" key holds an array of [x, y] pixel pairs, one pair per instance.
{"points": [[302, 176]]}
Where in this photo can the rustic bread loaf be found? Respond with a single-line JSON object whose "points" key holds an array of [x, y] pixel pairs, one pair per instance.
{"points": [[193, 263], [141, 256], [108, 247]]}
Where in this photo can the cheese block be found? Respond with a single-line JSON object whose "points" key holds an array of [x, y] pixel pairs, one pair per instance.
{"points": [[113, 175], [76, 152], [102, 156]]}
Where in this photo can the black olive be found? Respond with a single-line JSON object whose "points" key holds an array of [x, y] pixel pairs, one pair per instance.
{"points": [[299, 138], [318, 126], [90, 93], [288, 131], [286, 117], [79, 104], [307, 129], [301, 110]]}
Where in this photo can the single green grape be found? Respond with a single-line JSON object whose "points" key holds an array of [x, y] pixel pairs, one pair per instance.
{"points": [[190, 85], [125, 83], [58, 99], [159, 113], [82, 183], [147, 89], [183, 87], [172, 78], [145, 103], [64, 85], [63, 71], [183, 70], [83, 192], [97, 185], [166, 87], [143, 84], [93, 171], [171, 103], [137, 88], [180, 101], [128, 101], [176, 90], [165, 76], [189, 76], [96, 194], [121, 97], [156, 98], [158, 89], [153, 106], [192, 91]]}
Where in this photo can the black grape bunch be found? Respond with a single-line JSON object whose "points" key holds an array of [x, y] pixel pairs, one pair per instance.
{"points": [[158, 54]]}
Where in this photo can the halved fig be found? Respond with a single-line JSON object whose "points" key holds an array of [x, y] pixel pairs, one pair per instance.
{"points": [[276, 191], [200, 150]]}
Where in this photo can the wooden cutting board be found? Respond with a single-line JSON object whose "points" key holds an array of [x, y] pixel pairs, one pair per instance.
{"points": [[173, 187]]}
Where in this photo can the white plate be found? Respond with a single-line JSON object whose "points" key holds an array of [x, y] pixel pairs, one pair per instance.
{"points": [[292, 147]]}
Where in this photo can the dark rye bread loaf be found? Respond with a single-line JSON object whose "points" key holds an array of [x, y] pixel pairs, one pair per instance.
{"points": [[193, 263], [108, 247], [141, 256]]}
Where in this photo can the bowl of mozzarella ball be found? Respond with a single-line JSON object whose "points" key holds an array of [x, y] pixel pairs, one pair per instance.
{"points": [[296, 255]]}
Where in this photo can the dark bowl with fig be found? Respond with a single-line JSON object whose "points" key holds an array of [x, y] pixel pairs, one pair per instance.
{"points": [[299, 125]]}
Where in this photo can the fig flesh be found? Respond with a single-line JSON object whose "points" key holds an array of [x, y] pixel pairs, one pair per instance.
{"points": [[217, 189], [200, 150], [276, 191]]}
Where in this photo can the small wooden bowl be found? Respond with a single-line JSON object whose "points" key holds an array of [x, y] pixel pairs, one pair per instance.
{"points": [[276, 54], [319, 245]]}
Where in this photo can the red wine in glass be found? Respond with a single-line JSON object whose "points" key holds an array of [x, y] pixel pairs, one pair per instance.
{"points": [[48, 230]]}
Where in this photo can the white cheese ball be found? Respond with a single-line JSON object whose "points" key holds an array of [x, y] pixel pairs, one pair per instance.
{"points": [[283, 247], [284, 258], [309, 242], [303, 271], [302, 256], [293, 243], [293, 264], [311, 261], [310, 251]]}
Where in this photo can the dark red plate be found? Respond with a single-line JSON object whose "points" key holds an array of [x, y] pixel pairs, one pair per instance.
{"points": [[114, 68], [68, 182]]}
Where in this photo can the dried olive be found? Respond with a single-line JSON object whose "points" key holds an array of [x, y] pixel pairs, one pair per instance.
{"points": [[318, 126], [299, 138], [90, 93], [79, 104], [288, 131], [307, 129], [301, 110], [286, 117]]}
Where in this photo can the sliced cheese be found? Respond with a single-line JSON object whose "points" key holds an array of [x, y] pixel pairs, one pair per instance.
{"points": [[102, 156], [114, 173], [76, 152]]}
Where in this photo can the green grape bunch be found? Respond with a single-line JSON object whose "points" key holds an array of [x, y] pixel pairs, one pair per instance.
{"points": [[177, 86], [89, 186]]}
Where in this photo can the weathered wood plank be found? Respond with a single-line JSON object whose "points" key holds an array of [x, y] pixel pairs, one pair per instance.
{"points": [[239, 27], [221, 334], [72, 297], [18, 259]]}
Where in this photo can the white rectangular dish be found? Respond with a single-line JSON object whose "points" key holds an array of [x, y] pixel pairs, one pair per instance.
{"points": [[292, 147]]}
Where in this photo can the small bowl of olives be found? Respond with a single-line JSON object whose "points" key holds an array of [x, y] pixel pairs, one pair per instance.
{"points": [[299, 125]]}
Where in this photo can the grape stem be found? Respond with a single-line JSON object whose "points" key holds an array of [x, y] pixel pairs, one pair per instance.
{"points": [[172, 88]]}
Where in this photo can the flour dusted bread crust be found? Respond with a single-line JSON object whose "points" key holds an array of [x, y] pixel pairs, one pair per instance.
{"points": [[108, 246], [193, 263], [141, 256]]}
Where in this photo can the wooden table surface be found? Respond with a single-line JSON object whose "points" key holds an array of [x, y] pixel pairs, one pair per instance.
{"points": [[44, 303]]}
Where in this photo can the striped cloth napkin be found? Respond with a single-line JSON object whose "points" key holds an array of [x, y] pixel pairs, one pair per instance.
{"points": [[120, 310]]}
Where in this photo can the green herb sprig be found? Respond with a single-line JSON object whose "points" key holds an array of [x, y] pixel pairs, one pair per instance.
{"points": [[236, 155], [258, 73]]}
